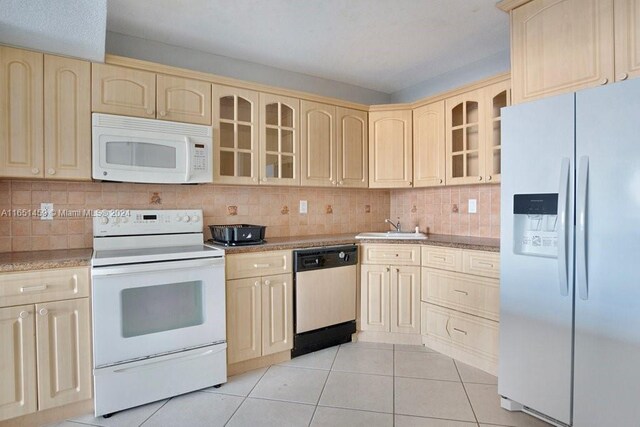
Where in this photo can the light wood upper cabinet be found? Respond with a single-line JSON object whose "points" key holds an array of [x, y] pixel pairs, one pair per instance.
{"points": [[627, 38], [279, 143], [244, 319], [63, 338], [465, 126], [21, 113], [277, 314], [318, 144], [17, 362], [561, 46], [67, 118], [183, 100], [352, 148], [496, 96], [390, 149], [235, 141], [125, 91], [405, 299], [429, 145]]}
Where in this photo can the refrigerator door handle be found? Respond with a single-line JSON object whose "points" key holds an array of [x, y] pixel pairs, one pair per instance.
{"points": [[563, 193], [581, 232]]}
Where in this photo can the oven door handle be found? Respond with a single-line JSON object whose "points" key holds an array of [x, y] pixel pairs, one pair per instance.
{"points": [[156, 266]]}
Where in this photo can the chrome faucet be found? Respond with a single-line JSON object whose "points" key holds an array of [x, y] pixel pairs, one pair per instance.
{"points": [[396, 226]]}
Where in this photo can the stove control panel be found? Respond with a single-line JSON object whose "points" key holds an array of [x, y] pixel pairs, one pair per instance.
{"points": [[130, 222]]}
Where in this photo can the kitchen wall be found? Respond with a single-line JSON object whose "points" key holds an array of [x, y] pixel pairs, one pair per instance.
{"points": [[329, 210], [444, 210]]}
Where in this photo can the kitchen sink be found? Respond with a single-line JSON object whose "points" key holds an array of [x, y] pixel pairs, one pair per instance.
{"points": [[392, 235]]}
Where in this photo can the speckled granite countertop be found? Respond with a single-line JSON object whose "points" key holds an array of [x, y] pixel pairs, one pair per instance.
{"points": [[40, 260], [299, 242]]}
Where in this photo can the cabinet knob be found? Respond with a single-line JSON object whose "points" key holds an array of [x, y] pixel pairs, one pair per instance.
{"points": [[255, 179], [264, 179], [479, 178], [340, 182], [43, 312], [397, 270], [150, 111], [623, 76], [267, 282], [35, 171], [410, 183], [604, 81], [333, 182], [388, 268], [163, 113], [23, 314], [489, 178], [440, 181], [51, 171]]}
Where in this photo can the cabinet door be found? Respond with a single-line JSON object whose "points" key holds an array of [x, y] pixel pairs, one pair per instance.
{"points": [[352, 147], [560, 46], [390, 149], [235, 141], [17, 362], [67, 118], [21, 134], [183, 100], [244, 319], [374, 291], [429, 145], [277, 314], [125, 91], [405, 299], [279, 145], [465, 145], [627, 38], [63, 340], [318, 144], [496, 96]]}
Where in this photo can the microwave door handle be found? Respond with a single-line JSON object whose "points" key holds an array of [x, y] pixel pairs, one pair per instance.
{"points": [[187, 175]]}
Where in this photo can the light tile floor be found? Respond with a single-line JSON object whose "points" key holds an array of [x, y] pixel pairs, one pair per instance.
{"points": [[355, 384]]}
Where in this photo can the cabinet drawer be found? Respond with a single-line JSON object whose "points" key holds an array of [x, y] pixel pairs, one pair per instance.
{"points": [[481, 263], [399, 254], [474, 295], [258, 264], [43, 285], [442, 258], [468, 333]]}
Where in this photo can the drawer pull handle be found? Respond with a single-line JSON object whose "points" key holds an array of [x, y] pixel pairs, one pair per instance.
{"points": [[439, 257], [261, 265], [462, 292], [33, 288], [487, 264], [446, 327], [460, 330], [23, 314]]}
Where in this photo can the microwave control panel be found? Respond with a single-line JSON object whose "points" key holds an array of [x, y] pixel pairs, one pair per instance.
{"points": [[199, 157]]}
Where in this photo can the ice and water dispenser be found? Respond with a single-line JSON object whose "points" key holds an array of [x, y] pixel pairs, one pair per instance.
{"points": [[535, 224]]}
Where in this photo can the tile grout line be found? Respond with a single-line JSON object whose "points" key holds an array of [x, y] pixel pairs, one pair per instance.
{"points": [[154, 412], [244, 398], [324, 385], [465, 392]]}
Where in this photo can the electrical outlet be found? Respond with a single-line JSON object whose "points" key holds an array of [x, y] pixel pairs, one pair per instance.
{"points": [[473, 206], [46, 211], [303, 206]]}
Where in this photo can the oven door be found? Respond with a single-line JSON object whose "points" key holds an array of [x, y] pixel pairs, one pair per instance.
{"points": [[143, 310]]}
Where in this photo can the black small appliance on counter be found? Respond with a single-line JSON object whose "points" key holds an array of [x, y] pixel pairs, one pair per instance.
{"points": [[238, 234]]}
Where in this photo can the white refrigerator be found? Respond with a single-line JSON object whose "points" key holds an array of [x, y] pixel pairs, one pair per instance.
{"points": [[570, 257]]}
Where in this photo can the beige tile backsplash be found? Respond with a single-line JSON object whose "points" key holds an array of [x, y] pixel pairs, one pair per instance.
{"points": [[329, 210]]}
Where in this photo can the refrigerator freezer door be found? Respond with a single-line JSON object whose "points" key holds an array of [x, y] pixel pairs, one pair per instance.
{"points": [[607, 333], [536, 308]]}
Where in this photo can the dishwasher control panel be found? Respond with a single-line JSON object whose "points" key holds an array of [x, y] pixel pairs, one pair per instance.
{"points": [[320, 258]]}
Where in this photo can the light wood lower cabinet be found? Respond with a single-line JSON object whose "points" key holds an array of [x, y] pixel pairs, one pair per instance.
{"points": [[390, 298], [259, 309], [45, 356]]}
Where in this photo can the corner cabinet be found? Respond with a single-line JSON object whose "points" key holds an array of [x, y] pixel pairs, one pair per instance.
{"points": [[429, 145], [131, 92], [279, 140], [235, 141], [473, 134], [45, 117], [46, 334], [390, 149]]}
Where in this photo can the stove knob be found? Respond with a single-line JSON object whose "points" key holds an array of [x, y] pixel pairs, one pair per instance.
{"points": [[186, 218], [178, 218], [104, 220], [195, 218]]}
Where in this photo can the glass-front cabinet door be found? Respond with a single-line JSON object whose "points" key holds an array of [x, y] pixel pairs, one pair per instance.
{"points": [[497, 96], [235, 122], [465, 131], [279, 144]]}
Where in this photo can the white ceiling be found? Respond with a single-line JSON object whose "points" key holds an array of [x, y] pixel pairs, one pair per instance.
{"points": [[384, 45]]}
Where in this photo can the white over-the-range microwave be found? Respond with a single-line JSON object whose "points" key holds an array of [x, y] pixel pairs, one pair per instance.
{"points": [[130, 149]]}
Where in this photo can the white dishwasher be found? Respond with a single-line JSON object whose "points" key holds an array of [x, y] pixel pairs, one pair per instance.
{"points": [[325, 284]]}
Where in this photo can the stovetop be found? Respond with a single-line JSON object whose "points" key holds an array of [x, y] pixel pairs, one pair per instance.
{"points": [[140, 255]]}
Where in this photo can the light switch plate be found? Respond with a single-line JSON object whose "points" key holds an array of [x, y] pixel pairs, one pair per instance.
{"points": [[46, 211], [473, 206], [303, 206]]}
